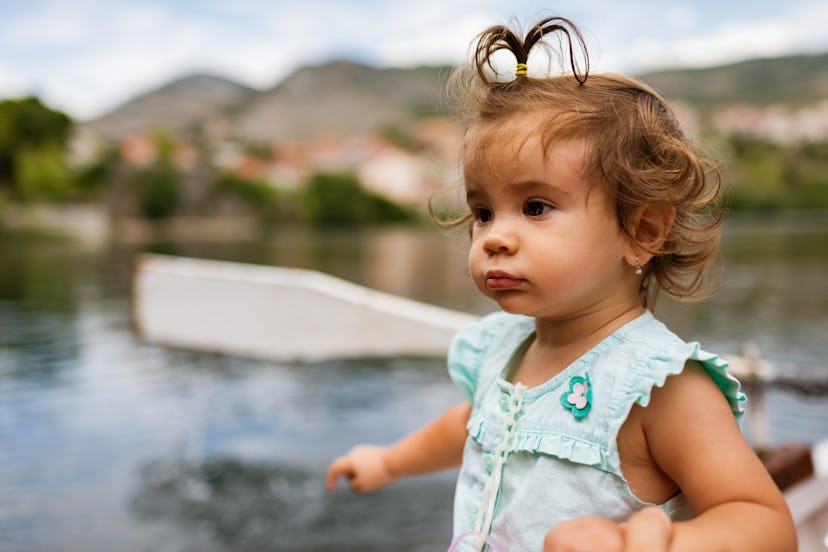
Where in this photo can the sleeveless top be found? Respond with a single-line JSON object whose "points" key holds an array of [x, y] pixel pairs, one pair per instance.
{"points": [[535, 457]]}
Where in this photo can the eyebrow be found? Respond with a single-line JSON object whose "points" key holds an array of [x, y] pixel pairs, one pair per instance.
{"points": [[530, 184], [523, 185]]}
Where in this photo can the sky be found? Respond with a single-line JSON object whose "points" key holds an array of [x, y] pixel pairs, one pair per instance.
{"points": [[87, 57]]}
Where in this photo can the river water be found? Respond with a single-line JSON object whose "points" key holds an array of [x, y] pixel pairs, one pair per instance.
{"points": [[107, 443]]}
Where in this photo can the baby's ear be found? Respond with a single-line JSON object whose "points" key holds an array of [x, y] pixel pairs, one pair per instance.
{"points": [[651, 224]]}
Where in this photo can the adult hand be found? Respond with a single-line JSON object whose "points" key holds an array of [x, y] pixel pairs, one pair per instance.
{"points": [[585, 534], [363, 466], [648, 530]]}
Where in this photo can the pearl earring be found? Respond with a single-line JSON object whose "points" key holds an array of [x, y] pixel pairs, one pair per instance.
{"points": [[638, 270]]}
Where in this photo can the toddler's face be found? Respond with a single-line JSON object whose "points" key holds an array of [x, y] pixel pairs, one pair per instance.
{"points": [[544, 242]]}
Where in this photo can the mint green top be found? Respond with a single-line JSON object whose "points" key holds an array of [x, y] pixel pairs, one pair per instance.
{"points": [[538, 456]]}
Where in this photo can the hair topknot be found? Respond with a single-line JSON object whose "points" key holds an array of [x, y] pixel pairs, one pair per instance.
{"points": [[635, 150], [502, 37]]}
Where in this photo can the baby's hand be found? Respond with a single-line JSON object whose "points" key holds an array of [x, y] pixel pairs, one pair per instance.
{"points": [[646, 531], [364, 467]]}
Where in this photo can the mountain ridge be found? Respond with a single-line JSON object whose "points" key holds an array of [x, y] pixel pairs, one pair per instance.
{"points": [[179, 105], [340, 97], [794, 80]]}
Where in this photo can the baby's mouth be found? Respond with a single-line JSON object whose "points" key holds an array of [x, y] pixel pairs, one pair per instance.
{"points": [[499, 280]]}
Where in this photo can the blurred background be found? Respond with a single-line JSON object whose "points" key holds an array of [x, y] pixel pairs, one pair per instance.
{"points": [[310, 135]]}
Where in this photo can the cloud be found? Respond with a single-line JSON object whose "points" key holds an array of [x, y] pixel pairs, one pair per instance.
{"points": [[87, 56], [696, 39], [49, 28]]}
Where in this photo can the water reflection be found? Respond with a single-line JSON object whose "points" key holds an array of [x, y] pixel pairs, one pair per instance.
{"points": [[773, 294], [228, 504], [106, 443]]}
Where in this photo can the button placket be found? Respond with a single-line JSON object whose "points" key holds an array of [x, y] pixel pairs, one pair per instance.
{"points": [[514, 403], [489, 462], [505, 400]]}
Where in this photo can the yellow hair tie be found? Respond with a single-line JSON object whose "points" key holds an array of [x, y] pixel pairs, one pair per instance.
{"points": [[521, 69]]}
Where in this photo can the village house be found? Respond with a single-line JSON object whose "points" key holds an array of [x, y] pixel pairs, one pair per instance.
{"points": [[403, 175], [774, 122]]}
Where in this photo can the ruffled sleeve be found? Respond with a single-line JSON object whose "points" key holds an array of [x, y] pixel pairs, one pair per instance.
{"points": [[671, 361], [717, 368], [467, 350], [651, 369]]}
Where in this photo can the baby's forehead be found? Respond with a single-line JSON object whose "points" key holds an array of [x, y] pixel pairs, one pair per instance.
{"points": [[518, 142], [516, 129]]}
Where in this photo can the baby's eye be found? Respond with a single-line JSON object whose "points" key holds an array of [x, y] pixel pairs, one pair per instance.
{"points": [[481, 214], [536, 208]]}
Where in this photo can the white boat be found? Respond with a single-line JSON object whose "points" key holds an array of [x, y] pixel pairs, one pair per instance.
{"points": [[302, 315], [279, 313]]}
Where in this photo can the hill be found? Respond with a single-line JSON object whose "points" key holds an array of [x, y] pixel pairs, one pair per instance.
{"points": [[793, 80], [341, 97], [344, 97], [180, 106]]}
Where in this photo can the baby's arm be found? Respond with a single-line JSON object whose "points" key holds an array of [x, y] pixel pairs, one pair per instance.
{"points": [[695, 440], [437, 446]]}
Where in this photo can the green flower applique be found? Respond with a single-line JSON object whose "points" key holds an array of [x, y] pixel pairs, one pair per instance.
{"points": [[578, 399]]}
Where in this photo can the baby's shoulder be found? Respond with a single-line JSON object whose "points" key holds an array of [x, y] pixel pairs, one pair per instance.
{"points": [[654, 356], [690, 391]]}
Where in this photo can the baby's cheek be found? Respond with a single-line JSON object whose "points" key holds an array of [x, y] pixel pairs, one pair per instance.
{"points": [[475, 270]]}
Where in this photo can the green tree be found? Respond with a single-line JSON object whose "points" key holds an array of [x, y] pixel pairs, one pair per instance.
{"points": [[91, 179], [42, 173], [29, 129], [769, 175], [161, 182], [337, 199]]}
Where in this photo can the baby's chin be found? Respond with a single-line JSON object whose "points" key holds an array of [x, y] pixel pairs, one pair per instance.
{"points": [[509, 306]]}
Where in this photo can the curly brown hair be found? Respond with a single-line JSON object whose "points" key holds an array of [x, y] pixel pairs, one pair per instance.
{"points": [[635, 149]]}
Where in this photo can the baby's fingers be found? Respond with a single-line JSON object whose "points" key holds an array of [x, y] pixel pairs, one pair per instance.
{"points": [[648, 531], [341, 466]]}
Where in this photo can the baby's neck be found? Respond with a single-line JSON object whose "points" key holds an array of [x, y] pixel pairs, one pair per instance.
{"points": [[588, 328], [559, 343]]}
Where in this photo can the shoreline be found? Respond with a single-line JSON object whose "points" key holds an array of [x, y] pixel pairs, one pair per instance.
{"points": [[92, 224]]}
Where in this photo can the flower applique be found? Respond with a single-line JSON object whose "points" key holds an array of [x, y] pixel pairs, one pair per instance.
{"points": [[578, 399]]}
